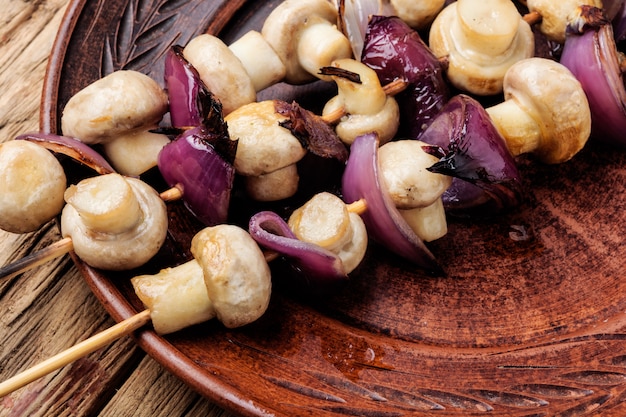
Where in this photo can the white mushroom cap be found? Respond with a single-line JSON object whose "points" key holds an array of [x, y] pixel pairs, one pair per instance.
{"points": [[221, 71], [366, 105], [122, 101], [555, 15], [481, 40], [415, 191], [236, 275], [277, 185], [384, 123], [263, 146], [115, 223], [403, 166], [32, 183], [134, 153], [429, 223], [325, 221], [304, 35], [545, 111]]}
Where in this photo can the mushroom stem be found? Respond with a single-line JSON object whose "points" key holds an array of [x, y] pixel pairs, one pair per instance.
{"points": [[75, 352], [520, 131], [395, 87]]}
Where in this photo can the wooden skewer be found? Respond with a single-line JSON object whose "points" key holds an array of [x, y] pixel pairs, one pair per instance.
{"points": [[105, 337], [55, 250], [76, 352]]}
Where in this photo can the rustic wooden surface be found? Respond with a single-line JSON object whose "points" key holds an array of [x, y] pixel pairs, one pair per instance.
{"points": [[49, 309]]}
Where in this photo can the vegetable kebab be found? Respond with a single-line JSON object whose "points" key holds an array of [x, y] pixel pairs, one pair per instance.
{"points": [[229, 279], [297, 39]]}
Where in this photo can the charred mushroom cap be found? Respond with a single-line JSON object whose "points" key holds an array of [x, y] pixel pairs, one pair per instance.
{"points": [[221, 71], [304, 35], [545, 111]]}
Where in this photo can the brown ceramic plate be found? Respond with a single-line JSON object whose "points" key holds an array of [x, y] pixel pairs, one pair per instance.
{"points": [[516, 327]]}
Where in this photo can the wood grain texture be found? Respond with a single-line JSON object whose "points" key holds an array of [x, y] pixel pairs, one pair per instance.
{"points": [[51, 308]]}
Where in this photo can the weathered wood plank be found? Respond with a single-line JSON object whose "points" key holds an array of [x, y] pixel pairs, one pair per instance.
{"points": [[152, 391], [50, 308]]}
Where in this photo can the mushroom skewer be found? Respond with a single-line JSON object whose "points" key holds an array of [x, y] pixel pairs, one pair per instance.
{"points": [[228, 278], [111, 222], [236, 289], [297, 38], [66, 244]]}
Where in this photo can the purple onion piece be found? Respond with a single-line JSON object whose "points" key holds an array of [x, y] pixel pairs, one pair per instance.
{"points": [[384, 223], [72, 148], [186, 91], [320, 266], [204, 176], [354, 17], [395, 51], [590, 54], [472, 150]]}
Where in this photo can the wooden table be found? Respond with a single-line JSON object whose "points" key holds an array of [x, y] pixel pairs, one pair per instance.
{"points": [[50, 308]]}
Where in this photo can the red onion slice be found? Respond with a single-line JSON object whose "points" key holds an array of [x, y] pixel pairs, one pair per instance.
{"points": [[590, 54], [473, 151], [186, 91], [396, 51], [384, 223], [320, 266], [72, 148], [204, 176], [354, 17]]}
